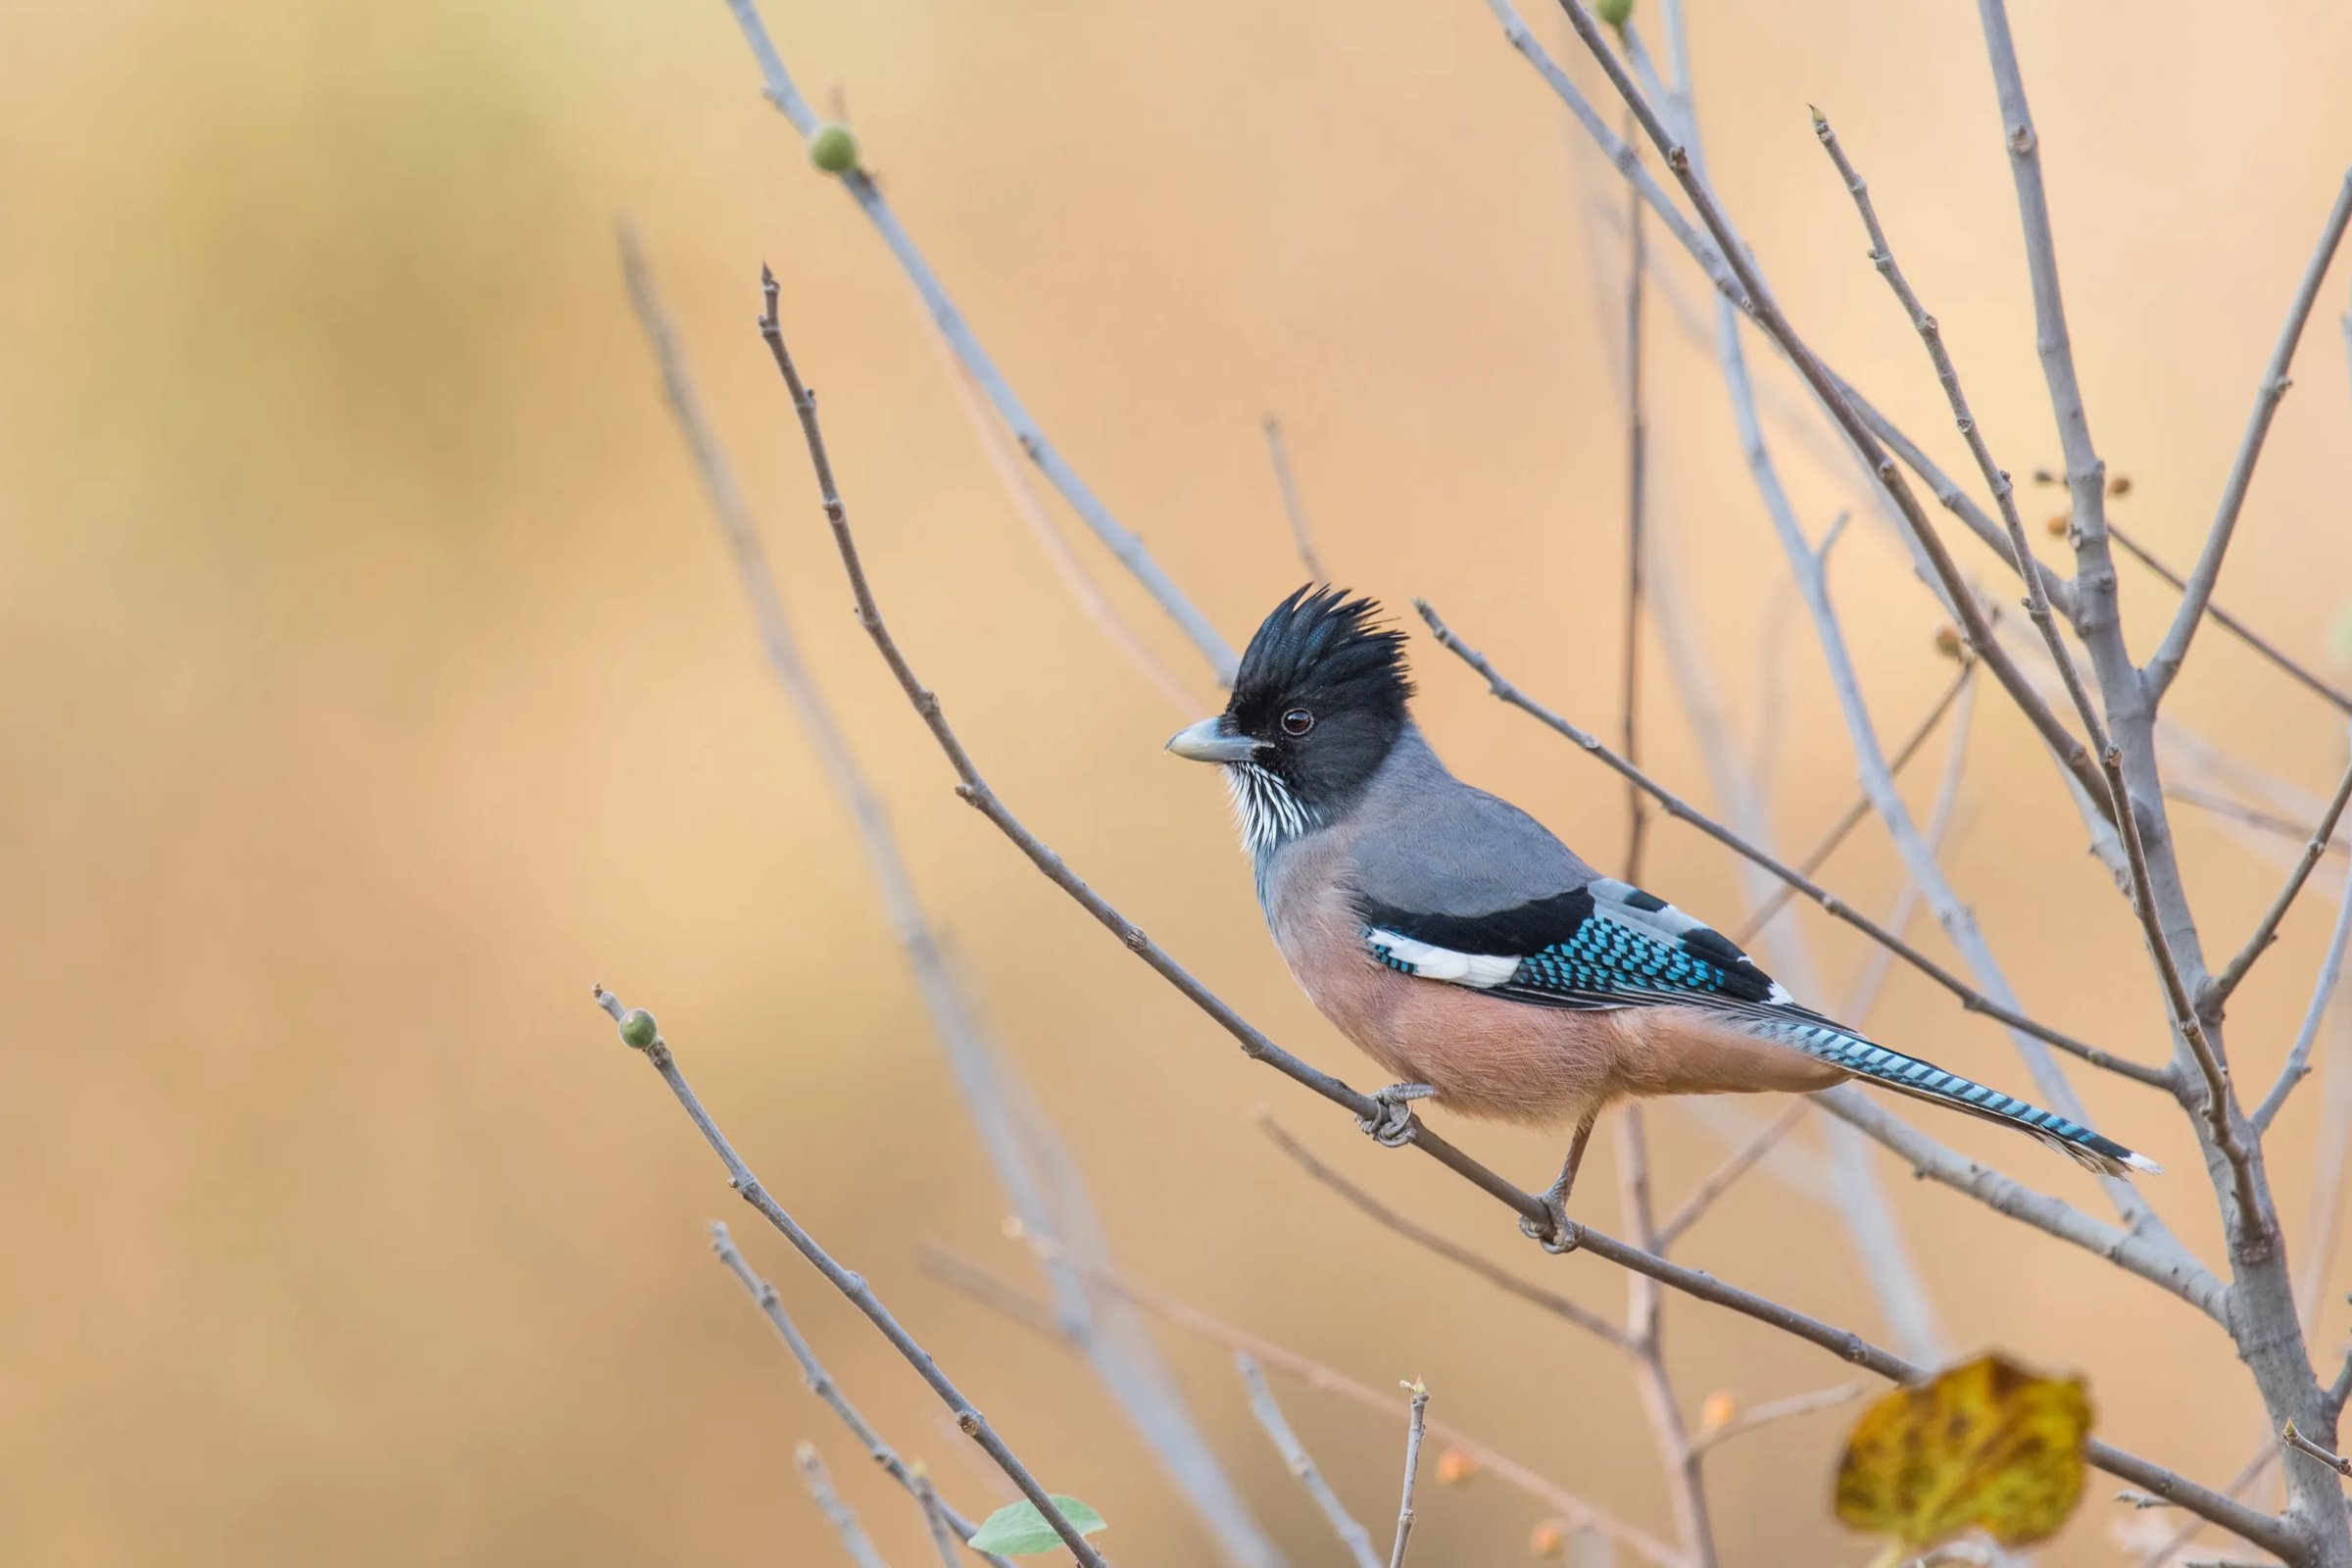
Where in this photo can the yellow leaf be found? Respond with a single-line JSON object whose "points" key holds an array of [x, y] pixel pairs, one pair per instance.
{"points": [[1985, 1443]]}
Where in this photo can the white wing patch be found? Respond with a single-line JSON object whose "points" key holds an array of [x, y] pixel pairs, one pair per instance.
{"points": [[1480, 969]]}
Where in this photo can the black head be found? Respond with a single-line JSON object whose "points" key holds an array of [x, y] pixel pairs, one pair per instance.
{"points": [[1318, 701]]}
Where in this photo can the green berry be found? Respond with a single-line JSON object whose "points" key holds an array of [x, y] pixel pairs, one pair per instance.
{"points": [[637, 1029], [833, 149], [1613, 12]]}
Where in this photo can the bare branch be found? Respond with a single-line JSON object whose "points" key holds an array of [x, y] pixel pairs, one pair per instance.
{"points": [[1637, 473], [973, 789], [1720, 1180], [2315, 1014], [2249, 1473], [839, 1514], [1675, 806], [1771, 1410], [1302, 1465], [1685, 1477], [1416, 1421], [2086, 475], [1930, 334], [2158, 1261], [2165, 663], [637, 1030], [2235, 627], [1830, 390], [2218, 1114], [1038, 1180], [1116, 536], [820, 1382], [1502, 1279], [985, 1287], [1005, 461], [1855, 814], [935, 1518], [2234, 811], [1291, 507], [2266, 931]]}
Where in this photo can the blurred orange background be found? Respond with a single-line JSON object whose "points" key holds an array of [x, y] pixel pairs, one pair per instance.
{"points": [[374, 681]]}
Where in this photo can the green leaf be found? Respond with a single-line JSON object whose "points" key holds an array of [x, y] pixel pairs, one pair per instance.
{"points": [[1018, 1529]]}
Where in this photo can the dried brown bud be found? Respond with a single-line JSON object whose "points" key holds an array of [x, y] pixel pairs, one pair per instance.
{"points": [[2058, 525], [2044, 476], [1947, 642], [1547, 1540], [1455, 1467], [2119, 485], [1720, 1410]]}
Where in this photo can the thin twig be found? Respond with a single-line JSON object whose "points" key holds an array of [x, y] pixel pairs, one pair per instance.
{"points": [[1736, 1165], [2218, 1114], [2221, 806], [1040, 1182], [2303, 1444], [820, 1382], [1636, 477], [1971, 998], [1685, 1477], [1415, 1422], [2266, 931], [1826, 386], [2232, 625], [1280, 453], [982, 1285], [639, 1032], [1003, 460], [2315, 1014], [2165, 663], [2154, 1259], [1771, 1410], [2170, 1547], [1116, 536], [1855, 814], [1852, 1187], [1997, 478], [935, 1518], [1942, 811], [839, 1514], [1302, 1464], [974, 790], [1502, 1279]]}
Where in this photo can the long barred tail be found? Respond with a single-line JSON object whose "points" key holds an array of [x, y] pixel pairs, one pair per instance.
{"points": [[1925, 1081]]}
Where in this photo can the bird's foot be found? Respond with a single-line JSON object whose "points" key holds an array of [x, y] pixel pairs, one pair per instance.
{"points": [[1392, 1126], [1557, 1231]]}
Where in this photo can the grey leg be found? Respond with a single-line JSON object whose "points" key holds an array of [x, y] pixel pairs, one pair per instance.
{"points": [[1561, 1235], [1393, 1126]]}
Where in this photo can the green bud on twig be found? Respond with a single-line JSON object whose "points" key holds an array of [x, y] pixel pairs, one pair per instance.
{"points": [[637, 1029], [833, 149], [1613, 12]]}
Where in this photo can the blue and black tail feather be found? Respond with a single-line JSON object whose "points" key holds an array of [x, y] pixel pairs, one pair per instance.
{"points": [[1925, 1081]]}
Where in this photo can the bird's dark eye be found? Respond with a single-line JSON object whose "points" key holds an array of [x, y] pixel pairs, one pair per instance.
{"points": [[1297, 722]]}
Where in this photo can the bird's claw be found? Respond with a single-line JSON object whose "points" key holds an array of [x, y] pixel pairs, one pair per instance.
{"points": [[1392, 1126], [1557, 1232]]}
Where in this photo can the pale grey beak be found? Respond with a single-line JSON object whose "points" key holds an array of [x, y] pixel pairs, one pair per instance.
{"points": [[1210, 741]]}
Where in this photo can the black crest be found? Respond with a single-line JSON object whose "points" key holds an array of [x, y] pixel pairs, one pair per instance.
{"points": [[1324, 651]]}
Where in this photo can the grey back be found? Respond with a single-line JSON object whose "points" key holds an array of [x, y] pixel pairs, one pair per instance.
{"points": [[1421, 839]]}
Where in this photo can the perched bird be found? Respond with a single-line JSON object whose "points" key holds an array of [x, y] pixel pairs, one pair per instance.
{"points": [[1474, 955]]}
